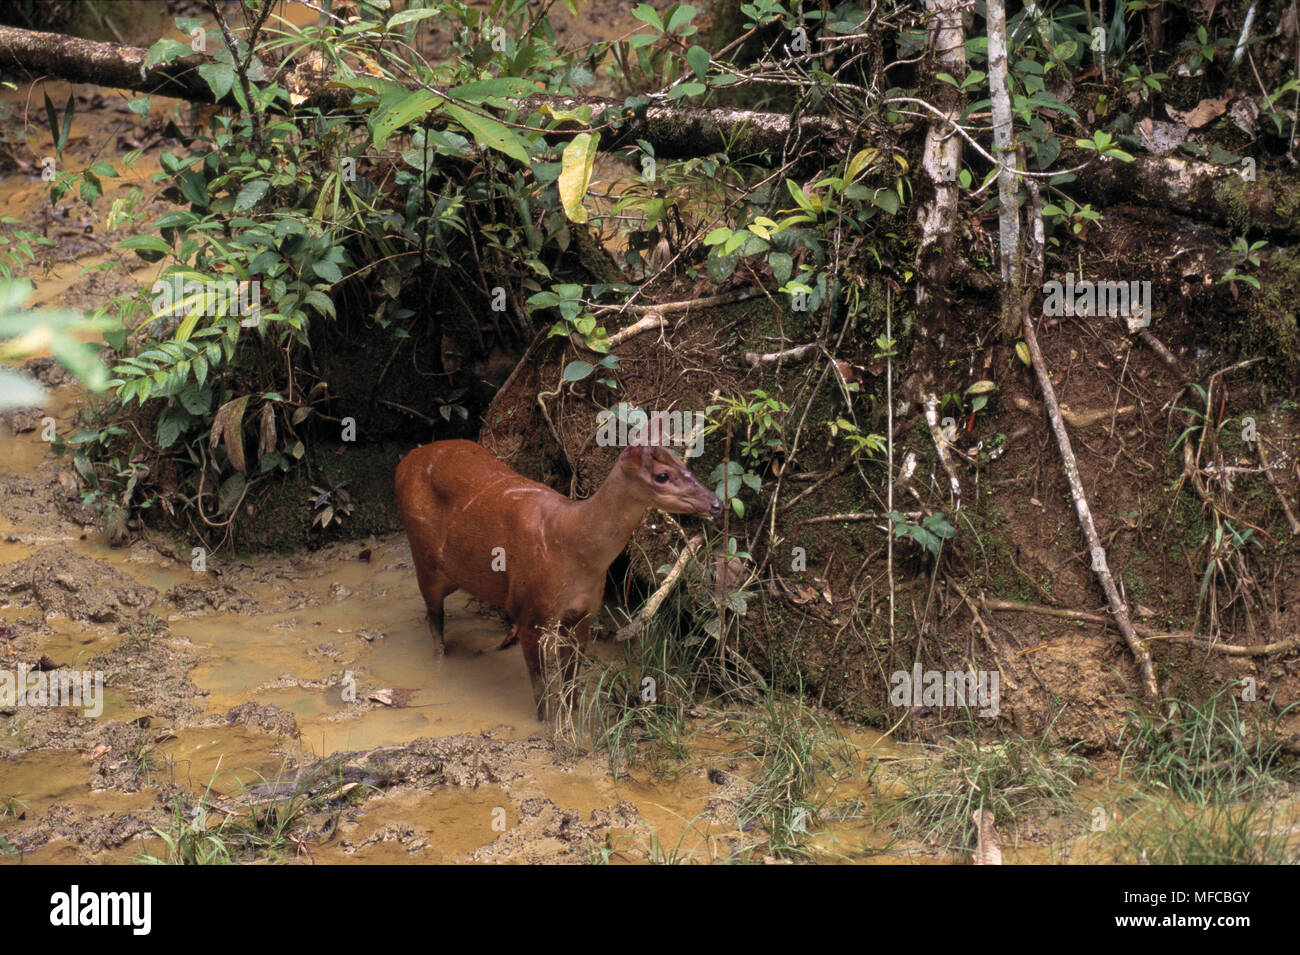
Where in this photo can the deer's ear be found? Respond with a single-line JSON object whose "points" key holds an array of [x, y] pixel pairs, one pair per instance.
{"points": [[634, 454]]}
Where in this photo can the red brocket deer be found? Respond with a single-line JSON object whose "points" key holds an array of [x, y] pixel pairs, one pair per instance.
{"points": [[475, 525]]}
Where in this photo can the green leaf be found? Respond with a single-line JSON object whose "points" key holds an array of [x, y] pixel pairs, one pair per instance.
{"points": [[152, 243], [327, 271], [195, 189], [698, 58], [410, 16], [578, 370], [53, 118], [646, 14], [219, 77], [90, 190], [170, 423], [680, 17], [800, 197], [68, 110], [320, 301], [489, 133], [164, 51], [389, 120], [500, 87], [251, 194], [232, 489], [81, 359], [886, 199], [686, 89], [781, 264], [196, 399]]}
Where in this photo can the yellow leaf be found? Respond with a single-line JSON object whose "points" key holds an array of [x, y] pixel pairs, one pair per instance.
{"points": [[575, 175], [858, 163]]}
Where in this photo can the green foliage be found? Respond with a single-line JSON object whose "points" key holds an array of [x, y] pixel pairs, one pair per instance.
{"points": [[23, 333], [759, 418], [1200, 49], [1246, 253], [16, 247], [275, 217], [930, 533]]}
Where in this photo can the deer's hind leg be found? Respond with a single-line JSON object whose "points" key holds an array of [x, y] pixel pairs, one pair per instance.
{"points": [[435, 586]]}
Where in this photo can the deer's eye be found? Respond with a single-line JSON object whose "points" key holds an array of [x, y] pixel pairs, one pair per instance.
{"points": [[661, 477]]}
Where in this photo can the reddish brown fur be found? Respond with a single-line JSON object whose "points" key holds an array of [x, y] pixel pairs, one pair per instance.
{"points": [[459, 503]]}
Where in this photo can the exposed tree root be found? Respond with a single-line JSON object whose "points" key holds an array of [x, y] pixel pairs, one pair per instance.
{"points": [[1227, 649]]}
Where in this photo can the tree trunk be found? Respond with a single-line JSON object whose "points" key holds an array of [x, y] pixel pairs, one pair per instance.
{"points": [[1008, 186], [941, 158]]}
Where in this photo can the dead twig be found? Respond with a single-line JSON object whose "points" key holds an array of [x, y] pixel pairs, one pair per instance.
{"points": [[797, 353], [648, 609], [652, 321], [1157, 346]]}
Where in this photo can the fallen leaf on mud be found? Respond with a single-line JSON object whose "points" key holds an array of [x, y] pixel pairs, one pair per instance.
{"points": [[165, 738], [1206, 111], [99, 751], [392, 697]]}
